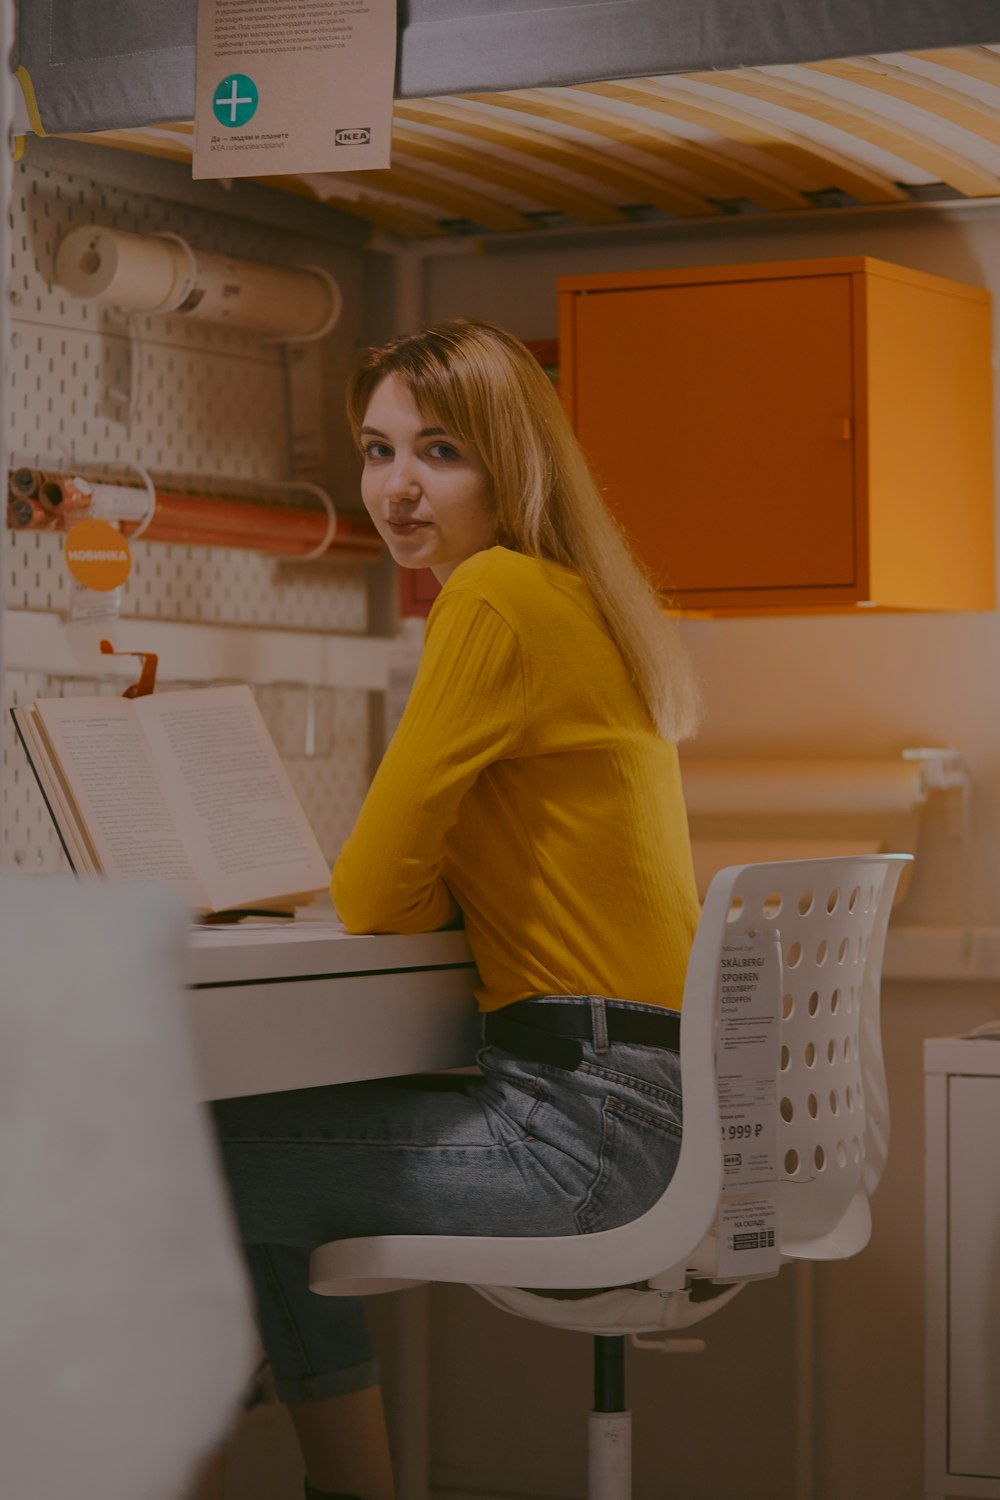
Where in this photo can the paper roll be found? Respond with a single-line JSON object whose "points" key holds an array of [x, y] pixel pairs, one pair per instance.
{"points": [[795, 788], [744, 812], [143, 273], [262, 299], [161, 273]]}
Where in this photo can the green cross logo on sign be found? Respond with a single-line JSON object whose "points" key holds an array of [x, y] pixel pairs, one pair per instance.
{"points": [[235, 100]]}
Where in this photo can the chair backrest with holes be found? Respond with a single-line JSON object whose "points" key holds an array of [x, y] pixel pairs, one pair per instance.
{"points": [[831, 916]]}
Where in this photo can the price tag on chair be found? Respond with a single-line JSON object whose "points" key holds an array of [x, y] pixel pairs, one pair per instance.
{"points": [[747, 1061], [749, 1243]]}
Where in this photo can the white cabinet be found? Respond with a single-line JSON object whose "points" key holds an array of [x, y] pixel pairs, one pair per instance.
{"points": [[962, 1092]]}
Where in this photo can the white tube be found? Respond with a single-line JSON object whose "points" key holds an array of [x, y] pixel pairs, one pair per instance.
{"points": [[162, 274], [609, 1455], [780, 787], [143, 273]]}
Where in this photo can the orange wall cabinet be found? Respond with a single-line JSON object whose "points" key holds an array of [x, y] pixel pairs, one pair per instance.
{"points": [[796, 435]]}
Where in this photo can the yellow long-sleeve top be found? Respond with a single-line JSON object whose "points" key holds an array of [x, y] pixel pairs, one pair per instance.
{"points": [[526, 786]]}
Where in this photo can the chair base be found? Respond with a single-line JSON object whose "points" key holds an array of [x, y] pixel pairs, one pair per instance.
{"points": [[609, 1455], [609, 1440]]}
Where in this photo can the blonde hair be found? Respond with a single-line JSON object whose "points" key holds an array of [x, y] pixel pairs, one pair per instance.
{"points": [[483, 385]]}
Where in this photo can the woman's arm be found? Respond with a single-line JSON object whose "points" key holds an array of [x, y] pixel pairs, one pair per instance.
{"points": [[466, 709]]}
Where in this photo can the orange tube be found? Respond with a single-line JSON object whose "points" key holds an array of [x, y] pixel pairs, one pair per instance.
{"points": [[206, 520], [24, 482], [25, 514], [216, 513], [60, 496], [347, 545]]}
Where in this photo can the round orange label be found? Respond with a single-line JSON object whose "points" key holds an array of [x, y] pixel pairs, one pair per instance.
{"points": [[97, 555]]}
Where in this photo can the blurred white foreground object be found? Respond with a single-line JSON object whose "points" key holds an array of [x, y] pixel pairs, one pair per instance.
{"points": [[125, 1332]]}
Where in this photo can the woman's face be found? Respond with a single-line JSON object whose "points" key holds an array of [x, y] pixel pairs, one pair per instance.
{"points": [[426, 490]]}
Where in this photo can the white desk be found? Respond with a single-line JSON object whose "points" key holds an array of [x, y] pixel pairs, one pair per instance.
{"points": [[295, 1006], [283, 1007], [962, 1091]]}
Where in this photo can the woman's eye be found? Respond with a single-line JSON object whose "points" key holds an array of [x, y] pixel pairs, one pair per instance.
{"points": [[442, 451], [374, 450]]}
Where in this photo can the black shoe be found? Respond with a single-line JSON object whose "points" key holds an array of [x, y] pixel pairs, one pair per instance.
{"points": [[312, 1493]]}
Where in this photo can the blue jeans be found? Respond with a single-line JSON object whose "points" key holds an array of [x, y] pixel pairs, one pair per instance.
{"points": [[525, 1149]]}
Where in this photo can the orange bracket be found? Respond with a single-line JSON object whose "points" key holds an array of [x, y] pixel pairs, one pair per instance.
{"points": [[147, 677]]}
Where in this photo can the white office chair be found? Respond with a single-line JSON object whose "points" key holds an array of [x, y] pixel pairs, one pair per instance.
{"points": [[125, 1332], [830, 917]]}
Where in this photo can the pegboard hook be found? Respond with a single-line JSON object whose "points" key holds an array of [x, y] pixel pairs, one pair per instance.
{"points": [[147, 677]]}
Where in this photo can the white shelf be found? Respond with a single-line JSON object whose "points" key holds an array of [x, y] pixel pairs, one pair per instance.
{"points": [[40, 641]]}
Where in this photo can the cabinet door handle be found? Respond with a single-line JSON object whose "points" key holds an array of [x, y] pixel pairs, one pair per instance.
{"points": [[845, 430]]}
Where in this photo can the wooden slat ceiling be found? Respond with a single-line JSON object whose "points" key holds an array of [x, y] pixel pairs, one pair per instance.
{"points": [[867, 130]]}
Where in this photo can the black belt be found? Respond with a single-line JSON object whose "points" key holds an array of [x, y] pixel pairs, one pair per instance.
{"points": [[552, 1033]]}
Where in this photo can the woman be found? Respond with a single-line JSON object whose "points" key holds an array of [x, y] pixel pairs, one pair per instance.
{"points": [[531, 790]]}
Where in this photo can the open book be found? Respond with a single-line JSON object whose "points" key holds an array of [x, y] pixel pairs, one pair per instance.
{"points": [[186, 787]]}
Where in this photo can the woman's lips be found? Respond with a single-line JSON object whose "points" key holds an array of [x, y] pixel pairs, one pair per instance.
{"points": [[406, 528]]}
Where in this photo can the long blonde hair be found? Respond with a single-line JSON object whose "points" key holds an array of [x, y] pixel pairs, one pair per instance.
{"points": [[483, 385]]}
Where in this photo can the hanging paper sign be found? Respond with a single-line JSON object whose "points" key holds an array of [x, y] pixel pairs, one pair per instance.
{"points": [[97, 555], [293, 86], [88, 607]]}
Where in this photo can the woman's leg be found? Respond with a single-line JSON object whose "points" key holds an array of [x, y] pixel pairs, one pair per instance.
{"points": [[323, 1368], [345, 1444], [526, 1149], [370, 1158]]}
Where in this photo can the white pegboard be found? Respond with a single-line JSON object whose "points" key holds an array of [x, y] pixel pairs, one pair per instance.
{"points": [[206, 398], [207, 585], [71, 402], [85, 387], [322, 737]]}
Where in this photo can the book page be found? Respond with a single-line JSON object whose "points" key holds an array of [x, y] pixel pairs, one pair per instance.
{"points": [[98, 749], [56, 795], [232, 799]]}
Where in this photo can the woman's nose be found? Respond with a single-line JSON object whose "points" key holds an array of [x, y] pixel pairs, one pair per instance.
{"points": [[401, 481]]}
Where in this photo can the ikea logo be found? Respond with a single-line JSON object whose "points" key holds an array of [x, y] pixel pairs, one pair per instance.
{"points": [[360, 136]]}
